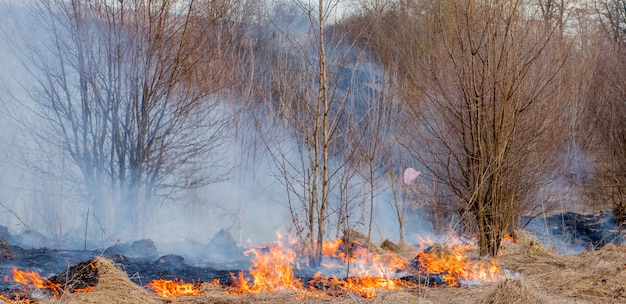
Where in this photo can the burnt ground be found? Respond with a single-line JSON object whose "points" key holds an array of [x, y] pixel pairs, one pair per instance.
{"points": [[571, 233], [131, 258], [169, 267]]}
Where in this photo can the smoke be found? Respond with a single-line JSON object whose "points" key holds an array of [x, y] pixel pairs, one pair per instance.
{"points": [[248, 205], [38, 182], [14, 181], [563, 194]]}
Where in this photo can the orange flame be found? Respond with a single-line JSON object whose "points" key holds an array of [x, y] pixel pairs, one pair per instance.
{"points": [[273, 267], [454, 267], [86, 289], [33, 279], [367, 286], [361, 262], [17, 301], [271, 270], [366, 272], [508, 238], [364, 286], [452, 263], [173, 288]]}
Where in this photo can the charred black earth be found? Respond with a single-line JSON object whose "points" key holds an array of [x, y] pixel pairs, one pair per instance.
{"points": [[573, 232], [61, 265]]}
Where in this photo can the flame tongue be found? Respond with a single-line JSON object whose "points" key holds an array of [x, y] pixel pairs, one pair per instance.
{"points": [[360, 262], [32, 279], [365, 286], [173, 288], [271, 270], [453, 265]]}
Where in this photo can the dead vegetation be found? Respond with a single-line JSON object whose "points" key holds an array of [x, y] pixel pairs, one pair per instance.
{"points": [[114, 286]]}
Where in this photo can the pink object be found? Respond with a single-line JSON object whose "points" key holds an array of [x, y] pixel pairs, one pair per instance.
{"points": [[410, 175]]}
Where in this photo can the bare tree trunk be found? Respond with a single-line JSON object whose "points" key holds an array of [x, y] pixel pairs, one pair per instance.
{"points": [[372, 198], [324, 105]]}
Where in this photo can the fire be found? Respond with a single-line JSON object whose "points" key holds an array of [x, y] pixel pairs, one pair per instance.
{"points": [[452, 263], [364, 272], [454, 267], [173, 288], [360, 262], [271, 270], [86, 289], [17, 301], [33, 279], [364, 286], [508, 238]]}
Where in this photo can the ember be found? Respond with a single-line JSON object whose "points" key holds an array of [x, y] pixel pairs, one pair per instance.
{"points": [[173, 288], [86, 289], [81, 277]]}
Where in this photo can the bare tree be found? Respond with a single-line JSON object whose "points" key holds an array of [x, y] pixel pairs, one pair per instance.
{"points": [[606, 136], [612, 17], [130, 89], [554, 12], [487, 128], [306, 99]]}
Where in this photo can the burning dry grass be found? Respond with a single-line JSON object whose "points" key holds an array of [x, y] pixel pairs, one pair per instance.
{"points": [[536, 276]]}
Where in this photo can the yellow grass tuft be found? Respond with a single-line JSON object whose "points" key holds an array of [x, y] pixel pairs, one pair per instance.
{"points": [[113, 286]]}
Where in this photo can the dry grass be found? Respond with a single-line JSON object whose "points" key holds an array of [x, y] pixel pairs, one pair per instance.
{"points": [[218, 295], [535, 276], [591, 277], [113, 287]]}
